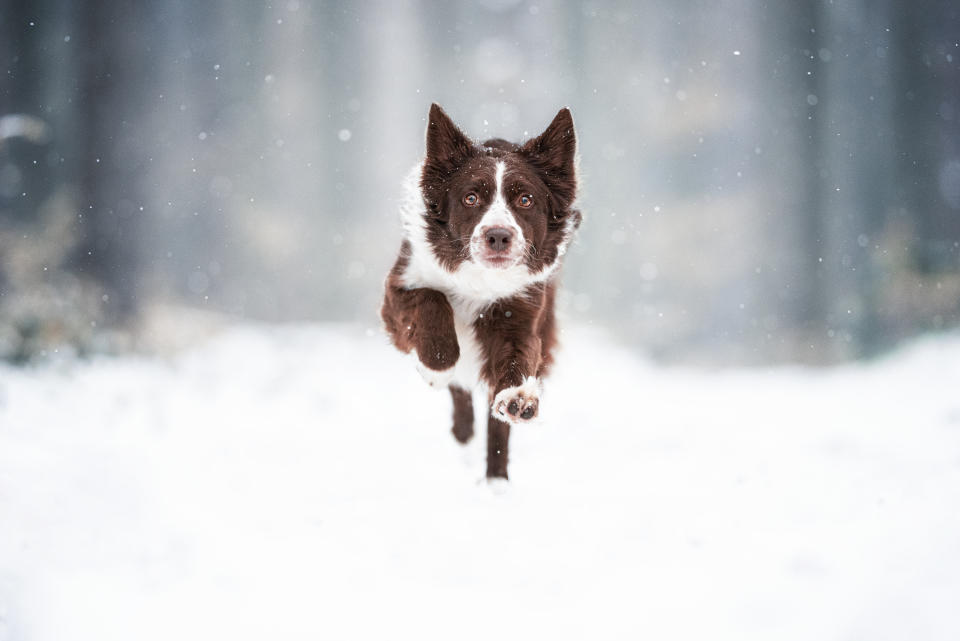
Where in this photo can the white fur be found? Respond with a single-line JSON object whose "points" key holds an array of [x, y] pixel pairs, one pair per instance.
{"points": [[434, 378], [467, 368], [497, 486], [530, 389]]}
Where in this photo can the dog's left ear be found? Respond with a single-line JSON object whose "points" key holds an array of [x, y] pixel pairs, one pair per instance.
{"points": [[553, 153]]}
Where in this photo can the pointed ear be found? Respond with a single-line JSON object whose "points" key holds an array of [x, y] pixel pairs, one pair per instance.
{"points": [[553, 153], [447, 147]]}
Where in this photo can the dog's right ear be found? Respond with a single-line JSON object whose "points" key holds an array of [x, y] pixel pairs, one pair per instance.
{"points": [[447, 147], [447, 150]]}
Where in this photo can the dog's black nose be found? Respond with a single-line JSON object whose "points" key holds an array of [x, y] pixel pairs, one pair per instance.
{"points": [[498, 238]]}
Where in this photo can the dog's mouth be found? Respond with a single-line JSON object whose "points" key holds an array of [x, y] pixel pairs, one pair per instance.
{"points": [[492, 259], [497, 261]]}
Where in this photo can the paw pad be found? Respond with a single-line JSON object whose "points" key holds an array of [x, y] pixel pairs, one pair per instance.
{"points": [[518, 404]]}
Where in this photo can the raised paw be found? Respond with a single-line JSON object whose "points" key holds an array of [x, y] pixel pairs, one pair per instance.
{"points": [[518, 404]]}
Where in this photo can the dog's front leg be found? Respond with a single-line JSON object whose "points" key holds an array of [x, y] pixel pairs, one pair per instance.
{"points": [[516, 393], [513, 359], [421, 320], [515, 399]]}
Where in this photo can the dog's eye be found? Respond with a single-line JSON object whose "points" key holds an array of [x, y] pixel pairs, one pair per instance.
{"points": [[525, 201], [470, 200]]}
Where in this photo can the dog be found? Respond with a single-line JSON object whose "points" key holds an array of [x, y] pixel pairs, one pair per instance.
{"points": [[472, 293]]}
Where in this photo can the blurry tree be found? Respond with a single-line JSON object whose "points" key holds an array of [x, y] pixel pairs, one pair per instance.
{"points": [[112, 45], [43, 304]]}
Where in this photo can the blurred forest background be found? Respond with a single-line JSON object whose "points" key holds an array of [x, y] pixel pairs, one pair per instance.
{"points": [[763, 181]]}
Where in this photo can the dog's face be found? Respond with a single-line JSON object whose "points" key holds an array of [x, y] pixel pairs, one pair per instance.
{"points": [[499, 204]]}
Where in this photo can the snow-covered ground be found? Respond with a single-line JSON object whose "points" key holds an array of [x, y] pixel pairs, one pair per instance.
{"points": [[302, 483]]}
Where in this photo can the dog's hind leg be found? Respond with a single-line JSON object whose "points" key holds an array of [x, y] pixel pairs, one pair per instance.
{"points": [[498, 440], [462, 413]]}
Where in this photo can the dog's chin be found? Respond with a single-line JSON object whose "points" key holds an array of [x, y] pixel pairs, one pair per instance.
{"points": [[496, 261]]}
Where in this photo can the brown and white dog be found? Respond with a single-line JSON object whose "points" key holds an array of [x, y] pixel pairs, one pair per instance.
{"points": [[472, 292]]}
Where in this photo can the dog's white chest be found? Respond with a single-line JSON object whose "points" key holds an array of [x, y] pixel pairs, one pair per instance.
{"points": [[467, 372]]}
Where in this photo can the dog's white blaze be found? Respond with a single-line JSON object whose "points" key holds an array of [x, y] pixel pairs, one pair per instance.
{"points": [[498, 215]]}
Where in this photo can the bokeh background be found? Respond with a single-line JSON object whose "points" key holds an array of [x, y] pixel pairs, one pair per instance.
{"points": [[762, 182]]}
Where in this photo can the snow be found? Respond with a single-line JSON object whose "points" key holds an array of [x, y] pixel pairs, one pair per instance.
{"points": [[302, 483]]}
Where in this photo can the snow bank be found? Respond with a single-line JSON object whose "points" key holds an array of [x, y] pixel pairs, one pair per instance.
{"points": [[301, 483]]}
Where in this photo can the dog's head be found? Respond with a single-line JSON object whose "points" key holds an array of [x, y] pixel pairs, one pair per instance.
{"points": [[498, 204]]}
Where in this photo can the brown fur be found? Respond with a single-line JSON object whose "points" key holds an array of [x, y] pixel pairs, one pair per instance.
{"points": [[498, 444], [462, 413], [420, 319], [516, 345]]}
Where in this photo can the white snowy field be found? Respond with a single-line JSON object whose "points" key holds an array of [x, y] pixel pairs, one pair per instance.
{"points": [[302, 483]]}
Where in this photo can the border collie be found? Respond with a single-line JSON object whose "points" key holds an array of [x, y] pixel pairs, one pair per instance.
{"points": [[472, 293]]}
